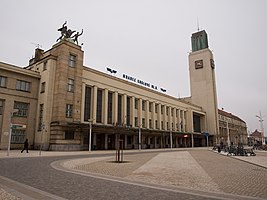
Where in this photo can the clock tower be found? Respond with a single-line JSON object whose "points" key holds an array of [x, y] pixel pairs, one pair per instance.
{"points": [[202, 80]]}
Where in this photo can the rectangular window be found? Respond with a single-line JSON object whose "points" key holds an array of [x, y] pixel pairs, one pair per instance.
{"points": [[43, 87], [162, 127], [143, 105], [70, 85], [41, 112], [69, 135], [172, 112], [22, 109], [72, 60], [1, 107], [128, 111], [3, 81], [150, 123], [18, 136], [136, 121], [162, 107], [99, 106], [87, 104], [167, 125], [23, 86], [110, 101], [69, 110], [45, 66], [156, 108], [143, 122], [156, 123], [167, 111], [150, 106], [136, 104]]}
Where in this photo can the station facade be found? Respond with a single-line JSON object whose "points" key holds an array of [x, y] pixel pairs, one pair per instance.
{"points": [[63, 105]]}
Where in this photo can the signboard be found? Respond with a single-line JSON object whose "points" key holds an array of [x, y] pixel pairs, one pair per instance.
{"points": [[18, 126]]}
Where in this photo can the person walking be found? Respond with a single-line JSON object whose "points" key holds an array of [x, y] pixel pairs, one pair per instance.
{"points": [[26, 146]]}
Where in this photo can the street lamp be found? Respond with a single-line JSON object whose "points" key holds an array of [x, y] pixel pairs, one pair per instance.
{"points": [[10, 130], [90, 134], [262, 130], [139, 137], [42, 132]]}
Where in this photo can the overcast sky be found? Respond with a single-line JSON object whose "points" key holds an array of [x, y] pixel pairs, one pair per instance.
{"points": [[150, 40]]}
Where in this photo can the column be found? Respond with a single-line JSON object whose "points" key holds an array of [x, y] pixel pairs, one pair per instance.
{"points": [[179, 120], [153, 115], [115, 108], [124, 109], [164, 118], [147, 114], [159, 116], [82, 106], [105, 110], [94, 104], [140, 113], [174, 119], [132, 111]]}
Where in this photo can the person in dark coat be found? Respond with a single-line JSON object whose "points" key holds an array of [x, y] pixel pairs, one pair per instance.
{"points": [[26, 146]]}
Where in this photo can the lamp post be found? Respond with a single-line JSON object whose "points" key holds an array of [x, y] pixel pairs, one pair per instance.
{"points": [[90, 134], [228, 133], [10, 130], [262, 130], [139, 137], [42, 132]]}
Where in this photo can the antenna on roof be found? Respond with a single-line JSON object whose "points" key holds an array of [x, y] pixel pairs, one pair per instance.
{"points": [[197, 24], [38, 46]]}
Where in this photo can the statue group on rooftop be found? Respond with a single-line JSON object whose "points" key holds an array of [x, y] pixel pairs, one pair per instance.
{"points": [[69, 34]]}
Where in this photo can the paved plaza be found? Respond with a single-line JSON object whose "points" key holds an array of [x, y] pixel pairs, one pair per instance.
{"points": [[189, 170]]}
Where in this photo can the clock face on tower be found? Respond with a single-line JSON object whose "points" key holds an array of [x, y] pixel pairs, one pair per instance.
{"points": [[198, 64]]}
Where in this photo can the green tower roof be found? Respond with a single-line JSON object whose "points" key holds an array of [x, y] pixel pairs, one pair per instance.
{"points": [[199, 40]]}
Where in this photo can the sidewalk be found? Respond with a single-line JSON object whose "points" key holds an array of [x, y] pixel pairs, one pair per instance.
{"points": [[139, 167]]}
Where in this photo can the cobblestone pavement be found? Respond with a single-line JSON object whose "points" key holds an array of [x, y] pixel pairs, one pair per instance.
{"points": [[201, 170], [165, 174]]}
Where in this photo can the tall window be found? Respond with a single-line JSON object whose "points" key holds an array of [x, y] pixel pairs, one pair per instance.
{"points": [[22, 109], [167, 111], [156, 123], [41, 113], [23, 86], [143, 105], [143, 122], [136, 121], [162, 107], [43, 87], [1, 107], [156, 108], [119, 109], [87, 104], [72, 60], [136, 103], [70, 85], [18, 136], [128, 111], [69, 110], [110, 108], [2, 81], [150, 106], [45, 66], [150, 123], [99, 107]]}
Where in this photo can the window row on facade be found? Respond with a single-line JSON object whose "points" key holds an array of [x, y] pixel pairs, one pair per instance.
{"points": [[109, 107], [21, 85]]}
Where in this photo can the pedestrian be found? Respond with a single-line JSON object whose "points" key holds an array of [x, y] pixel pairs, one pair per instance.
{"points": [[26, 146]]}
